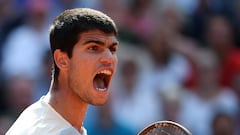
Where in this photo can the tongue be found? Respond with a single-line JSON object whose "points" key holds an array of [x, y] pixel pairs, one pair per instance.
{"points": [[99, 83]]}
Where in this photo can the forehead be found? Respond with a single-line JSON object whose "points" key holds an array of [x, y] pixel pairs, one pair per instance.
{"points": [[98, 35]]}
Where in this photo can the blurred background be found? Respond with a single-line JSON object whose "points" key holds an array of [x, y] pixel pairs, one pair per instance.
{"points": [[178, 60]]}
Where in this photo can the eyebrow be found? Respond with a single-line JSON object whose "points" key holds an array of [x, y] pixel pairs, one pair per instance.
{"points": [[99, 42]]}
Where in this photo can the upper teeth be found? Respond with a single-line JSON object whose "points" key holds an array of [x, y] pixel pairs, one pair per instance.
{"points": [[107, 72]]}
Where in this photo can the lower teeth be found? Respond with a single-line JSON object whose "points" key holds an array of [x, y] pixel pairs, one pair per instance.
{"points": [[101, 89]]}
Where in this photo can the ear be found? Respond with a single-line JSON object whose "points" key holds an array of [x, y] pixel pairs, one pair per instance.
{"points": [[61, 59]]}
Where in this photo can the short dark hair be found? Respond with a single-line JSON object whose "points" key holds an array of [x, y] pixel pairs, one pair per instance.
{"points": [[67, 27]]}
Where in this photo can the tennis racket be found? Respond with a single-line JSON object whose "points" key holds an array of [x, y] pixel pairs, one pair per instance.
{"points": [[164, 128]]}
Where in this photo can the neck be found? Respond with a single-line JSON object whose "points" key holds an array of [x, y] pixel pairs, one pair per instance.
{"points": [[67, 104]]}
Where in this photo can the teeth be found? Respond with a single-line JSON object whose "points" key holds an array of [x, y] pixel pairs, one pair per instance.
{"points": [[100, 89], [106, 72]]}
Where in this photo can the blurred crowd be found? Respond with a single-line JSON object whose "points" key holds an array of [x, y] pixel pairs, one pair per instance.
{"points": [[179, 60]]}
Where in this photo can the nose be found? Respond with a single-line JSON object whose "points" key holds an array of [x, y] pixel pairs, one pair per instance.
{"points": [[107, 58]]}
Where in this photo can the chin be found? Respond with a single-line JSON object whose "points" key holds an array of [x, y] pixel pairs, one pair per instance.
{"points": [[99, 102]]}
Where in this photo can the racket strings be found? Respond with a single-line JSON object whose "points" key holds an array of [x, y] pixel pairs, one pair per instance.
{"points": [[166, 129]]}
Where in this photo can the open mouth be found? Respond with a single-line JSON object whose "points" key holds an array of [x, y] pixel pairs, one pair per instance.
{"points": [[101, 80]]}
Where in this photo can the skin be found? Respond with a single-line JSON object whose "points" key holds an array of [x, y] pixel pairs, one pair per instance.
{"points": [[70, 96]]}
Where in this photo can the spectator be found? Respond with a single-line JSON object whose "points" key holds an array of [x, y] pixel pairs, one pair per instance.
{"points": [[223, 124], [19, 94], [127, 99], [107, 125], [5, 123], [140, 21], [44, 79], [209, 95], [169, 67], [171, 100], [9, 20], [220, 39], [27, 43]]}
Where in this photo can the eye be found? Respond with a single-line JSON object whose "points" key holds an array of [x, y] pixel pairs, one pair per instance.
{"points": [[113, 49], [93, 48]]}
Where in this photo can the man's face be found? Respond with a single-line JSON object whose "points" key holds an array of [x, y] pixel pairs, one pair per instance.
{"points": [[92, 66]]}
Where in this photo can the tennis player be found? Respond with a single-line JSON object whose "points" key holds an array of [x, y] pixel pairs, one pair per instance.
{"points": [[83, 45]]}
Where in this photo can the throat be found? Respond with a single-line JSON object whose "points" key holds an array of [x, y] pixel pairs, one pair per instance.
{"points": [[99, 83]]}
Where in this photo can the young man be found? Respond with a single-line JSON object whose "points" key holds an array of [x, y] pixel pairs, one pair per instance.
{"points": [[83, 44]]}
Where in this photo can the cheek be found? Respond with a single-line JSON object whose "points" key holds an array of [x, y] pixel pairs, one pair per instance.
{"points": [[115, 61], [82, 64], [80, 73]]}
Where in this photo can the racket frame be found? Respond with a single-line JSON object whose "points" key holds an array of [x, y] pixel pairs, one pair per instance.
{"points": [[163, 123]]}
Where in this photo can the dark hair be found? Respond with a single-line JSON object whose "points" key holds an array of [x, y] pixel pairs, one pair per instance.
{"points": [[66, 29]]}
